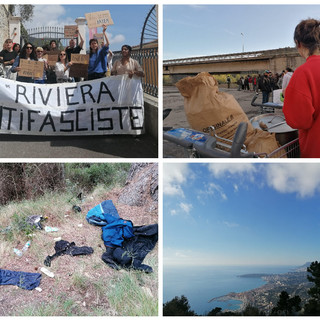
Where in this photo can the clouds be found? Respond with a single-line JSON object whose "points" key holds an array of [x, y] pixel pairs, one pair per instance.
{"points": [[300, 178], [174, 176], [221, 169]]}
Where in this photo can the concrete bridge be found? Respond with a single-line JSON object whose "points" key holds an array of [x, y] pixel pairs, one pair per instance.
{"points": [[234, 64]]}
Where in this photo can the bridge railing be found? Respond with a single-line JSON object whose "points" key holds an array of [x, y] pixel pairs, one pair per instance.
{"points": [[148, 59]]}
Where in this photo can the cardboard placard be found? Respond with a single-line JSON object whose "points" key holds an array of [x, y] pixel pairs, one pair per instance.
{"points": [[52, 57], [79, 70], [70, 32], [97, 19], [31, 68], [80, 58], [99, 37]]}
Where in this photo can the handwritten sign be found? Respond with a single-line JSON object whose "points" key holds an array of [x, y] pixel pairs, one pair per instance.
{"points": [[99, 37], [79, 70], [31, 68], [52, 57], [70, 31], [97, 19], [80, 58]]}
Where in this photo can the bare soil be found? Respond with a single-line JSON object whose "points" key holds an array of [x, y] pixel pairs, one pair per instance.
{"points": [[63, 286]]}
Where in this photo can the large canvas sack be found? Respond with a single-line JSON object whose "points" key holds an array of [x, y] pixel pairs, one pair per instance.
{"points": [[205, 106]]}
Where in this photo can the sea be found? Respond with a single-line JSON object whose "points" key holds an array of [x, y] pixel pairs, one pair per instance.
{"points": [[202, 283]]}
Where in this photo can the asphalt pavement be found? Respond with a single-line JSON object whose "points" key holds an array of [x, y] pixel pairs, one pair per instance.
{"points": [[23, 146]]}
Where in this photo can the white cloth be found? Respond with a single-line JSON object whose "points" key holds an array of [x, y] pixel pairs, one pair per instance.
{"points": [[60, 73]]}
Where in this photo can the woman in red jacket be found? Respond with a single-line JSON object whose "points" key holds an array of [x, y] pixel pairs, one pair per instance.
{"points": [[302, 98]]}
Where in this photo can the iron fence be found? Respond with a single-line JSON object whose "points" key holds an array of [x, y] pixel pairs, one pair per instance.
{"points": [[148, 59]]}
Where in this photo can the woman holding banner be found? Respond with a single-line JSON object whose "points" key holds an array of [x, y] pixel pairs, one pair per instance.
{"points": [[127, 65], [28, 53], [98, 58]]}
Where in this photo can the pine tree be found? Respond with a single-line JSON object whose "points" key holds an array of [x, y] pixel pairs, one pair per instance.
{"points": [[312, 308], [178, 307]]}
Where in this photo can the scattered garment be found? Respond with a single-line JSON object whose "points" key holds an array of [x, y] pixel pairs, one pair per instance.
{"points": [[24, 280], [35, 221], [127, 246], [133, 250], [64, 247]]}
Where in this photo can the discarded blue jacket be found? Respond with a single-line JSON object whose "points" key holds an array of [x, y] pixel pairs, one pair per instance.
{"points": [[24, 280], [114, 229], [103, 213]]}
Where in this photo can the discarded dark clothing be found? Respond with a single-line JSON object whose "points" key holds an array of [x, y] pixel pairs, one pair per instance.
{"points": [[126, 245], [24, 280], [64, 247], [133, 250]]}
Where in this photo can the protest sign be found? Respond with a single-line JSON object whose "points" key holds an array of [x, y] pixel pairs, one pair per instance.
{"points": [[31, 68], [52, 57], [70, 32], [80, 58], [99, 37], [98, 19], [106, 106], [79, 70]]}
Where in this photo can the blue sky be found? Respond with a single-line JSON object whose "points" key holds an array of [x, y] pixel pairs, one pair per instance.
{"points": [[241, 214], [201, 30], [128, 20]]}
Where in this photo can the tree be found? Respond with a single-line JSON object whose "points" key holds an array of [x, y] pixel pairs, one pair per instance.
{"points": [[24, 10], [312, 308], [215, 312], [287, 306], [178, 307]]}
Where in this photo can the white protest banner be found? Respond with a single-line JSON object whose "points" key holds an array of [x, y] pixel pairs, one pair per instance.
{"points": [[112, 105], [98, 19]]}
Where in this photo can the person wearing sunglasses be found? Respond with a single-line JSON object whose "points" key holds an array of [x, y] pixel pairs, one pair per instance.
{"points": [[62, 68], [43, 79], [28, 53], [8, 56]]}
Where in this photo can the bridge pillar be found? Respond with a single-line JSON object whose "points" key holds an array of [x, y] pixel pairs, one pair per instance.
{"points": [[14, 29], [81, 22]]}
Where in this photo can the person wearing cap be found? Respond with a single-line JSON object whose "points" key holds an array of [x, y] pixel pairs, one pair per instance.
{"points": [[265, 86], [43, 79]]}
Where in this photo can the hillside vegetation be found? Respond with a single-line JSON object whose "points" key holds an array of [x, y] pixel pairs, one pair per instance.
{"points": [[82, 285]]}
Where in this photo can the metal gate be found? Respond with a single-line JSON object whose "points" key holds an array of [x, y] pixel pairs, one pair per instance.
{"points": [[41, 36]]}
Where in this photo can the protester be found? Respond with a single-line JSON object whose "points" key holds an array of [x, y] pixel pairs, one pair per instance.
{"points": [[27, 52], [17, 48], [98, 58], [53, 50], [39, 53], [72, 48], [8, 57], [127, 65], [254, 83], [286, 78], [62, 68], [302, 96]]}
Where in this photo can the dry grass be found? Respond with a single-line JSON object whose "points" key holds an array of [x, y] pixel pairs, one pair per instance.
{"points": [[82, 285]]}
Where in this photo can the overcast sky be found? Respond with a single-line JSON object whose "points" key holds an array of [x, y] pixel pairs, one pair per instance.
{"points": [[241, 214], [128, 20], [200, 30]]}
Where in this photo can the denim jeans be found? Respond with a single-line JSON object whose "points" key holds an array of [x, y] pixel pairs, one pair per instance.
{"points": [[265, 96]]}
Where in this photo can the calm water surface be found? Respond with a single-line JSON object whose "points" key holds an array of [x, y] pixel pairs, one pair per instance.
{"points": [[200, 284]]}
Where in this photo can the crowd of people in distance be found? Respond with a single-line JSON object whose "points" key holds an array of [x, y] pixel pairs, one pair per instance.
{"points": [[100, 61]]}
